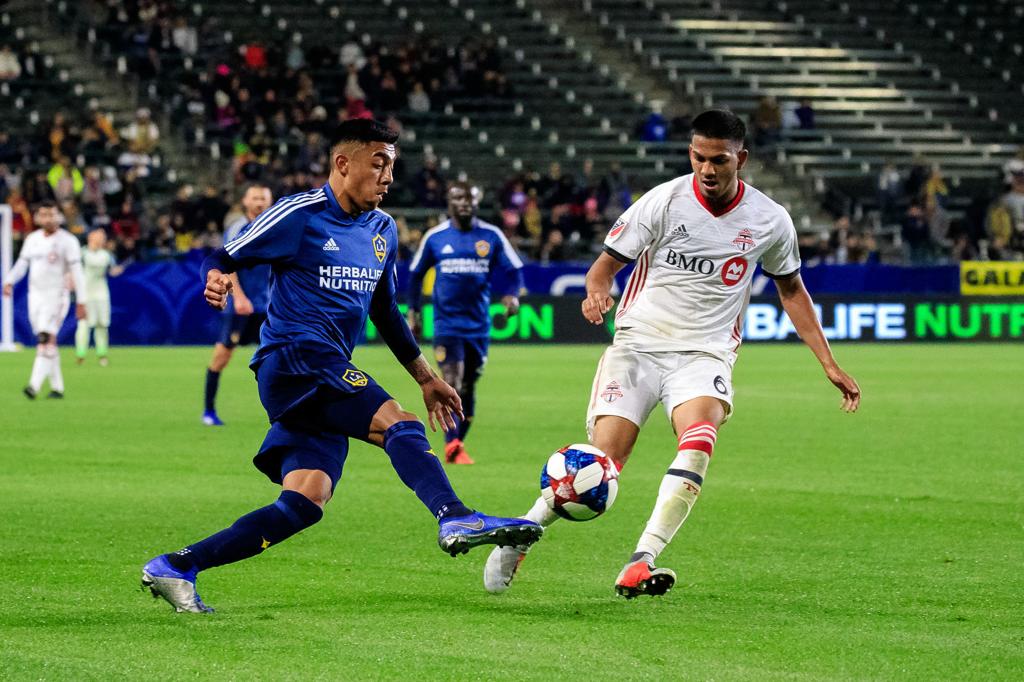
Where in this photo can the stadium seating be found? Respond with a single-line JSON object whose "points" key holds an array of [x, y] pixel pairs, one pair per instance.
{"points": [[875, 99], [31, 101]]}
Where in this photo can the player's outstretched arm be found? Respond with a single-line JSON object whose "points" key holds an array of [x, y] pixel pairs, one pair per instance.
{"points": [[798, 305], [600, 279], [442, 400], [15, 274]]}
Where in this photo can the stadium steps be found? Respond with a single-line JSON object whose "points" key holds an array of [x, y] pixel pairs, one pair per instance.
{"points": [[546, 63], [798, 197], [978, 44], [710, 49], [95, 85]]}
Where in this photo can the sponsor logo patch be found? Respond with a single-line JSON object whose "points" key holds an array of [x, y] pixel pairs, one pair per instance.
{"points": [[447, 250], [679, 232], [733, 270], [331, 245], [704, 266], [617, 228], [721, 386]]}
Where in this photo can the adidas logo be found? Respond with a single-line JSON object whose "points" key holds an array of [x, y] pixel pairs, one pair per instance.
{"points": [[447, 249], [680, 232], [331, 245]]}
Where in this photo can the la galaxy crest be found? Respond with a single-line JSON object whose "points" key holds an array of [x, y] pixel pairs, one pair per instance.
{"points": [[379, 247], [482, 248], [355, 378]]}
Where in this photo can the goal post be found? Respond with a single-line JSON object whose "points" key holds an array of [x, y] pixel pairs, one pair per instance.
{"points": [[6, 262]]}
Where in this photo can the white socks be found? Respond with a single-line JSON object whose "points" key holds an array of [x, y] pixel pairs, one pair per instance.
{"points": [[56, 376], [541, 513], [40, 369], [679, 489]]}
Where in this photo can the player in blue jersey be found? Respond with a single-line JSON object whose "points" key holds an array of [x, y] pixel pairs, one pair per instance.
{"points": [[332, 258], [247, 308], [466, 253]]}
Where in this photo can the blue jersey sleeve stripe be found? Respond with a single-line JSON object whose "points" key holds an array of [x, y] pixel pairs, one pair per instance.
{"points": [[275, 210], [262, 219], [257, 228], [423, 244], [510, 252]]}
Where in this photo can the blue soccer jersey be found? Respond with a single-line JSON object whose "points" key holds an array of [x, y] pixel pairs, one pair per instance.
{"points": [[255, 281], [329, 271], [464, 262]]}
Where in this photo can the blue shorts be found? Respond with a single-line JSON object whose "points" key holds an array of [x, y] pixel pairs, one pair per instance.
{"points": [[240, 330], [315, 403], [472, 352]]}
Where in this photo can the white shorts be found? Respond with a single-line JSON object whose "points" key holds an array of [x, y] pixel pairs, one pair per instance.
{"points": [[97, 313], [630, 383], [46, 313]]}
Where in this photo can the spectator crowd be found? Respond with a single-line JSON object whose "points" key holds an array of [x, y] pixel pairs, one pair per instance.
{"points": [[268, 105]]}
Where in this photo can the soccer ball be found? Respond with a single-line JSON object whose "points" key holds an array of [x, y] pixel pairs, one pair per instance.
{"points": [[579, 482]]}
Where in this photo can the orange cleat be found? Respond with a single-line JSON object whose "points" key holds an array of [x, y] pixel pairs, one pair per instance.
{"points": [[455, 453], [641, 577]]}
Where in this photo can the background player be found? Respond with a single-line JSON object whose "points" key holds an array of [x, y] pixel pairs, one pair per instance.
{"points": [[48, 255], [466, 253], [695, 241], [97, 262], [333, 264], [247, 308]]}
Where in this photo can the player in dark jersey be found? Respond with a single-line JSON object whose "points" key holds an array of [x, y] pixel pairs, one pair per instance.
{"points": [[332, 257], [247, 305], [466, 253]]}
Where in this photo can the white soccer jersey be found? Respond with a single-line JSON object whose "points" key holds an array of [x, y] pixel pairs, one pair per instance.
{"points": [[48, 259], [694, 267], [96, 264]]}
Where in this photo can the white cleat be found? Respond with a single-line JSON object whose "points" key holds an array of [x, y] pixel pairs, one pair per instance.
{"points": [[501, 567]]}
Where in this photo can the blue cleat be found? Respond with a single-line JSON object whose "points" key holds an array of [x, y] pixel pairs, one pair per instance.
{"points": [[460, 534], [179, 589], [211, 419]]}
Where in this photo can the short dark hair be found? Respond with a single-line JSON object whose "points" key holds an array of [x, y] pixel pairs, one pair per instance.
{"points": [[719, 124], [363, 130], [255, 184], [45, 203]]}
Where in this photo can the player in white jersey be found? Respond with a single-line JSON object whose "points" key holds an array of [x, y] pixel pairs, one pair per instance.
{"points": [[48, 255], [695, 241], [97, 263]]}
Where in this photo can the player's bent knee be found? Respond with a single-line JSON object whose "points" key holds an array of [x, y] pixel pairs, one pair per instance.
{"points": [[312, 484], [389, 414]]}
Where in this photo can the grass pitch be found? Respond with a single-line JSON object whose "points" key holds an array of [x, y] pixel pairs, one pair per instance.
{"points": [[885, 545]]}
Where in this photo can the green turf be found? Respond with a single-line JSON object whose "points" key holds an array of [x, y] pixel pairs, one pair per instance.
{"points": [[885, 545]]}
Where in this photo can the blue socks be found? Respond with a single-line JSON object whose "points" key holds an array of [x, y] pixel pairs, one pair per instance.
{"points": [[418, 467], [456, 433], [468, 397], [212, 382], [251, 534]]}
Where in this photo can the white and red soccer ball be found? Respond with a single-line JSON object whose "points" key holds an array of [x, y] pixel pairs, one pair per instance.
{"points": [[579, 482]]}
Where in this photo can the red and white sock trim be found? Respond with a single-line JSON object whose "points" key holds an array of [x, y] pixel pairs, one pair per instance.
{"points": [[700, 436]]}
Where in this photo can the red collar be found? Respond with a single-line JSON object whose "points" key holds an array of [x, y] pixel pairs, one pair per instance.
{"points": [[704, 202]]}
